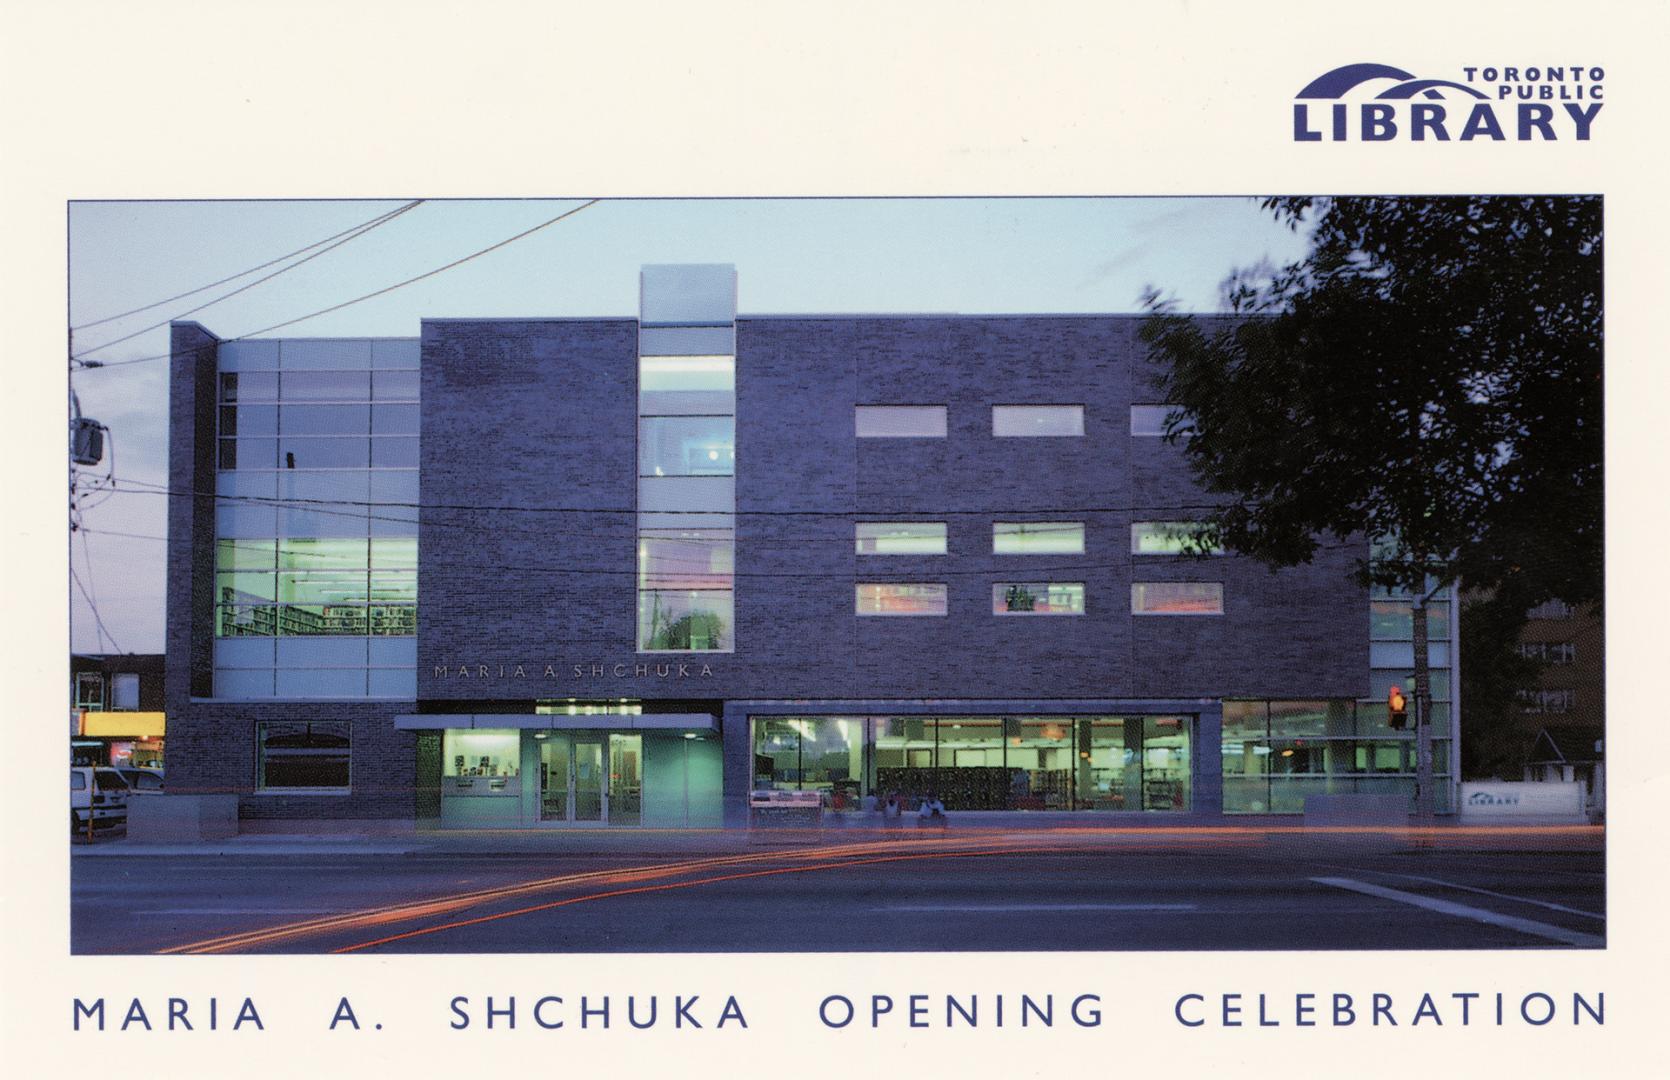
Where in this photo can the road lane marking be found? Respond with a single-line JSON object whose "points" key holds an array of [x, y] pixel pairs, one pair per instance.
{"points": [[1040, 907], [1447, 907], [1549, 904]]}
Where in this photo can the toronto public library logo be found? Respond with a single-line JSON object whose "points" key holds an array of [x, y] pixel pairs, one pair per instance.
{"points": [[1500, 103]]}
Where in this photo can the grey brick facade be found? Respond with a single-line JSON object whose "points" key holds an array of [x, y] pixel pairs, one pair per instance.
{"points": [[527, 545]]}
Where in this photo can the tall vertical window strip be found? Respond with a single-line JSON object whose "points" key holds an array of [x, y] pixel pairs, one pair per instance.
{"points": [[316, 519], [687, 456]]}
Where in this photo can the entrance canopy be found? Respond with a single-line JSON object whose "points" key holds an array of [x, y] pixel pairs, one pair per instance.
{"points": [[553, 722]]}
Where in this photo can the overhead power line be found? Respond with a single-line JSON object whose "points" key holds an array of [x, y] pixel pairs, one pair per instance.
{"points": [[241, 273], [354, 234], [370, 295], [97, 618]]}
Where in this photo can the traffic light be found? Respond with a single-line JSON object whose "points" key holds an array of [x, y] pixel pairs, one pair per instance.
{"points": [[1397, 708]]}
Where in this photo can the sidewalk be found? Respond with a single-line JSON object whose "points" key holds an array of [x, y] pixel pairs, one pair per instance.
{"points": [[393, 839]]}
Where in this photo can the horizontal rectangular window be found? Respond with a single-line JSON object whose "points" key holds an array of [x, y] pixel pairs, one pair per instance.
{"points": [[244, 554], [394, 452], [394, 419], [680, 620], [1037, 538], [1177, 598], [1549, 652], [1170, 538], [324, 453], [1391, 620], [396, 353], [901, 538], [301, 757], [248, 453], [1150, 420], [324, 419], [344, 554], [1547, 701], [1027, 421], [393, 587], [395, 385], [246, 587], [248, 420], [675, 494], [324, 354], [685, 559], [1038, 598], [686, 340], [1552, 609], [687, 446], [325, 386], [899, 421], [896, 599], [394, 552], [686, 385], [322, 587], [238, 386]]}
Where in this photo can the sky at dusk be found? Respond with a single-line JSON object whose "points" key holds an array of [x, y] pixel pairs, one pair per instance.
{"points": [[836, 256]]}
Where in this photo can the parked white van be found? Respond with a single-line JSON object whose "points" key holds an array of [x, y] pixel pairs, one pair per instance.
{"points": [[99, 791]]}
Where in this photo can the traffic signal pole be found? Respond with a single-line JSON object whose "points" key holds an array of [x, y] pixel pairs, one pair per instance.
{"points": [[1424, 803]]}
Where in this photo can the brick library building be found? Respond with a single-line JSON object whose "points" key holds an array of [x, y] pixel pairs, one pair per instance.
{"points": [[637, 572]]}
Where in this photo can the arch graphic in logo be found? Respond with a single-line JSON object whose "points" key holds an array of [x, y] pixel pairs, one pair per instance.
{"points": [[1393, 103]]}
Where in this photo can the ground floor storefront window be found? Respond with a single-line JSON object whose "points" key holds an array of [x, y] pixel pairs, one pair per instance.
{"points": [[1275, 753], [580, 777], [982, 762], [308, 757]]}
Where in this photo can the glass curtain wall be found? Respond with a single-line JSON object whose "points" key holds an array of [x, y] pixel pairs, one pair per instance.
{"points": [[687, 459], [1277, 752], [316, 519], [982, 762]]}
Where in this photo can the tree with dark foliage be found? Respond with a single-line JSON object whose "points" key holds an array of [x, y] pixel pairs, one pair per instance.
{"points": [[1428, 376]]}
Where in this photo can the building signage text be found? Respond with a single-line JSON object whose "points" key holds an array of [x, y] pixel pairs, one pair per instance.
{"points": [[637, 670]]}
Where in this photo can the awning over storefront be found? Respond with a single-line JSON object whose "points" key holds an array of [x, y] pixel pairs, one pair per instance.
{"points": [[552, 722]]}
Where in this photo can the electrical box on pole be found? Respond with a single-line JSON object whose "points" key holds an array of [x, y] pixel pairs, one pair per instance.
{"points": [[86, 441]]}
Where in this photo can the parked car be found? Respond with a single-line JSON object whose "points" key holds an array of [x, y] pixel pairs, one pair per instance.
{"points": [[100, 792], [141, 781]]}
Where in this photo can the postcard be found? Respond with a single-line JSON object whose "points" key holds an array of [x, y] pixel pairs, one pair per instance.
{"points": [[956, 540]]}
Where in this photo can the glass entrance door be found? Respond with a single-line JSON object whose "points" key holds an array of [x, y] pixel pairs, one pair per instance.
{"points": [[589, 791], [593, 777], [554, 786]]}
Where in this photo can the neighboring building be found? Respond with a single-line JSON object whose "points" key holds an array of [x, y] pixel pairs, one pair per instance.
{"points": [[1571, 687], [117, 715], [633, 570]]}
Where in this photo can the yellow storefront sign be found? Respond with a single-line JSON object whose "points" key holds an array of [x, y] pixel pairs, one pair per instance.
{"points": [[124, 725]]}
